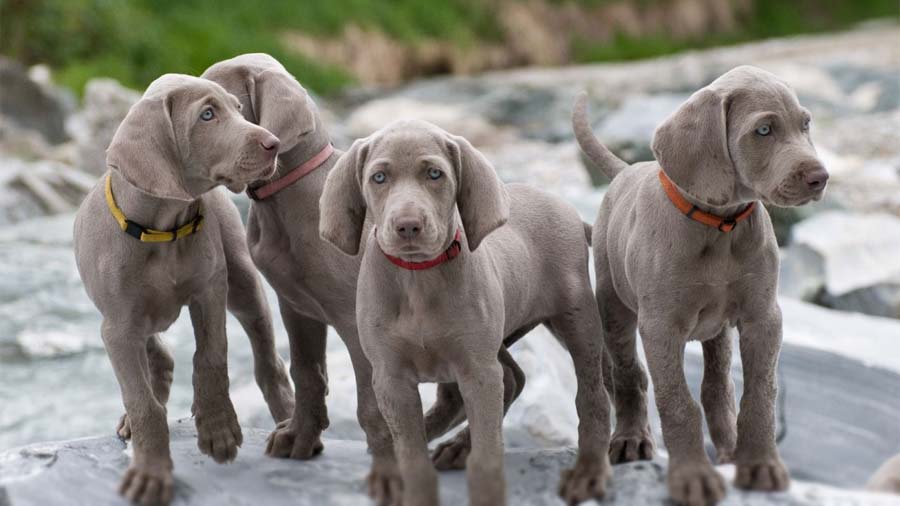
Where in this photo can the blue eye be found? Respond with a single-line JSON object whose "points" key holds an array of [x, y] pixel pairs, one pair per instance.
{"points": [[379, 177], [434, 173], [207, 114], [764, 130]]}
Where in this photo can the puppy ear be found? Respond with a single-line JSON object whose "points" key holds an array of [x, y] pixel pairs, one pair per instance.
{"points": [[691, 146], [143, 150], [282, 106], [481, 197], [342, 209]]}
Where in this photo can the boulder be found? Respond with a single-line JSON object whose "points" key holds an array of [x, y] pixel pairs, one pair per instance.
{"points": [[87, 471], [628, 130], [30, 104], [106, 102]]}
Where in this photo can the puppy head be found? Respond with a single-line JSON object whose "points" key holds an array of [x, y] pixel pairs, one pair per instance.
{"points": [[413, 178], [187, 135], [270, 96], [743, 137]]}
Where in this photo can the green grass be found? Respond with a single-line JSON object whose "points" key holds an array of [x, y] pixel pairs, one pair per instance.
{"points": [[134, 41]]}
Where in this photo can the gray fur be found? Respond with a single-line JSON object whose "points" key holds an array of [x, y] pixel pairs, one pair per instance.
{"points": [[164, 160], [523, 262], [676, 279]]}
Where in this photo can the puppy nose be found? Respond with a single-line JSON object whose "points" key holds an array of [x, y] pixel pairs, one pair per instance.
{"points": [[408, 228], [269, 142], [816, 178]]}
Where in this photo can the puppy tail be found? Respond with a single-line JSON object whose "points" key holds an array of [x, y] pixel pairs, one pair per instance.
{"points": [[588, 231], [609, 163]]}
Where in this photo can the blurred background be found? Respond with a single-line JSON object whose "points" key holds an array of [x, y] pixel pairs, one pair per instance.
{"points": [[504, 74]]}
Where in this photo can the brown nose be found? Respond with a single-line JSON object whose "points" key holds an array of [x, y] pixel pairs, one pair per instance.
{"points": [[816, 178], [269, 142], [408, 228]]}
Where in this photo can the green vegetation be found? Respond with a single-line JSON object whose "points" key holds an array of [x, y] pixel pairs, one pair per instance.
{"points": [[136, 40]]}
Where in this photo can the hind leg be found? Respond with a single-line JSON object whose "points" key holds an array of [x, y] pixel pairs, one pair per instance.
{"points": [[632, 439], [160, 366], [452, 454], [717, 395]]}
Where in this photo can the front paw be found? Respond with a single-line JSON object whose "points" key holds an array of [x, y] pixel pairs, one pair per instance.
{"points": [[587, 480], [287, 441], [770, 475], [123, 429], [384, 483], [148, 484], [452, 454], [631, 445], [218, 433], [695, 484]]}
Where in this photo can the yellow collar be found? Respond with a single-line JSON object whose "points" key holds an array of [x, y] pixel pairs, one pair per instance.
{"points": [[143, 233]]}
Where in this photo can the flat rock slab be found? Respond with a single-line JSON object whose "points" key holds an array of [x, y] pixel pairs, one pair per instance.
{"points": [[87, 472]]}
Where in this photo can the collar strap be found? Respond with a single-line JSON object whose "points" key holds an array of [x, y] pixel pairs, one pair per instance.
{"points": [[694, 213], [449, 254], [267, 190], [143, 233]]}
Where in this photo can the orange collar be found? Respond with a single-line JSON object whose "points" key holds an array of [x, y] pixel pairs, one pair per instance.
{"points": [[692, 212]]}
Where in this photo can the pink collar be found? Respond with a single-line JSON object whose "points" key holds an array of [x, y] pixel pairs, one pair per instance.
{"points": [[267, 190], [452, 252]]}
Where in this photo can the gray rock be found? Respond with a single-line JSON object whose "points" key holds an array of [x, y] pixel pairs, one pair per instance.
{"points": [[878, 300], [106, 102], [87, 471], [802, 273], [29, 104], [628, 130]]}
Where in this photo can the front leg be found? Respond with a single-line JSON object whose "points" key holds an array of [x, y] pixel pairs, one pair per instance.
{"points": [[218, 432], [693, 481], [759, 466], [398, 399], [481, 386]]}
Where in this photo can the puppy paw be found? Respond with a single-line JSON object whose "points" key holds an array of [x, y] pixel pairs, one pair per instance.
{"points": [[695, 484], [631, 445], [587, 480], [219, 434], [148, 484], [384, 484], [290, 442], [770, 476], [452, 454], [123, 429]]}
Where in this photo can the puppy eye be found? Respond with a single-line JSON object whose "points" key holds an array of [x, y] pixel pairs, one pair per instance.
{"points": [[379, 177], [806, 124], [435, 173], [207, 114], [764, 130]]}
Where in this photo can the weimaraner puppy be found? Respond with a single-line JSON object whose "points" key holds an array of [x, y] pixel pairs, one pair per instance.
{"points": [[150, 238], [315, 286], [683, 250], [456, 262]]}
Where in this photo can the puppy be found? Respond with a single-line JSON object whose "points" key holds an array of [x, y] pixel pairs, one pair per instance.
{"points": [[683, 250], [151, 238], [443, 281], [315, 286]]}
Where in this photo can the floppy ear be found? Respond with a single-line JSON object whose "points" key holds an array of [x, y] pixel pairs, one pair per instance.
{"points": [[342, 209], [143, 150], [282, 106], [691, 146], [481, 197]]}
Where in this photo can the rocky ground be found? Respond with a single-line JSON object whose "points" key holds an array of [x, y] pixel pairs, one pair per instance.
{"points": [[839, 284]]}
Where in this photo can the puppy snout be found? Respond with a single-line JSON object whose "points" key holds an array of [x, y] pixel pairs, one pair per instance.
{"points": [[407, 227], [269, 142], [816, 177]]}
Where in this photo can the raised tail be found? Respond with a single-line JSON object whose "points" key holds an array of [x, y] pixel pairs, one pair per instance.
{"points": [[609, 163]]}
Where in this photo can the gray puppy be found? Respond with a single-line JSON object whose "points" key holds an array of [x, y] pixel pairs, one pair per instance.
{"points": [[456, 262], [316, 285], [683, 251], [152, 238]]}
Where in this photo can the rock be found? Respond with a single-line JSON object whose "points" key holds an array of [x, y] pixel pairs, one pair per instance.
{"points": [[628, 130], [87, 471], [29, 104], [802, 273], [106, 102], [878, 300]]}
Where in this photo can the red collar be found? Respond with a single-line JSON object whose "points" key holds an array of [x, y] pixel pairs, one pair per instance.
{"points": [[267, 190], [452, 252], [692, 212]]}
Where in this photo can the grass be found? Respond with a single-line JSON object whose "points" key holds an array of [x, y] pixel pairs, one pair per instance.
{"points": [[136, 40]]}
